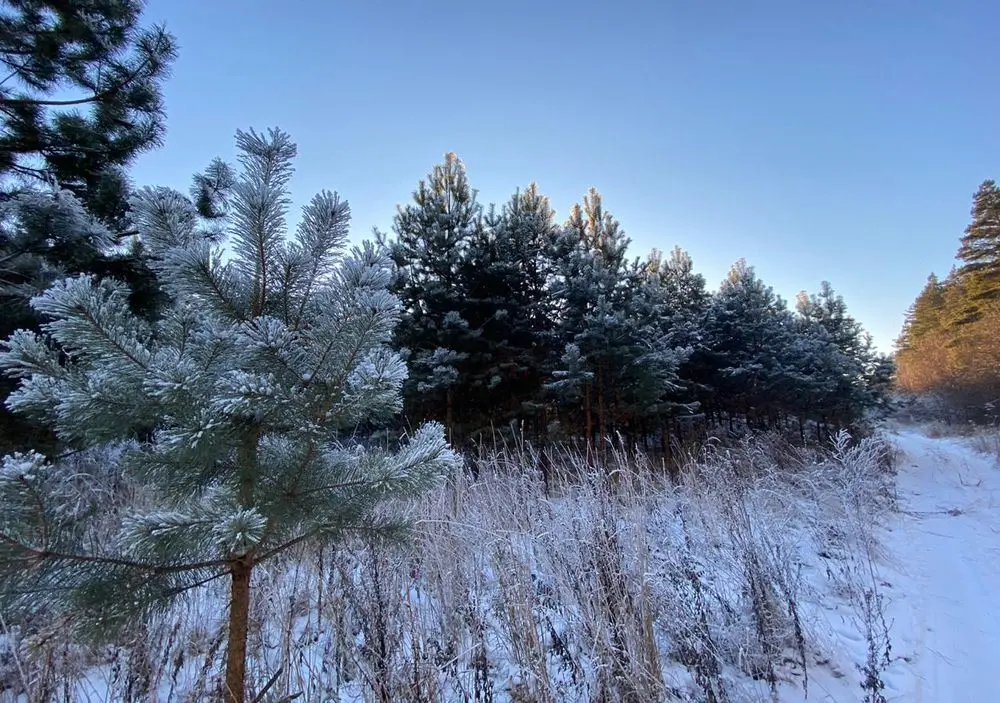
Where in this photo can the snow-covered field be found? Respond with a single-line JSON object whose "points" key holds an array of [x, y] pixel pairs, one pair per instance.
{"points": [[766, 575]]}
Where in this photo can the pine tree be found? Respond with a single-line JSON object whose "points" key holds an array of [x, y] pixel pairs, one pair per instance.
{"points": [[81, 98], [505, 275], [948, 343], [239, 406], [880, 380], [433, 236], [814, 372], [925, 315], [922, 352], [590, 290], [687, 302], [750, 333], [829, 310], [844, 369], [980, 251], [651, 356]]}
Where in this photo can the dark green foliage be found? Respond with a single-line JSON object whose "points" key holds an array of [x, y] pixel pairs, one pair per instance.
{"points": [[980, 253], [591, 291], [513, 324], [750, 333], [80, 97], [509, 311], [433, 236], [79, 100]]}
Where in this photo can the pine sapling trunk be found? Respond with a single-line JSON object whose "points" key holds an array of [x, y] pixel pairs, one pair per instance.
{"points": [[239, 623]]}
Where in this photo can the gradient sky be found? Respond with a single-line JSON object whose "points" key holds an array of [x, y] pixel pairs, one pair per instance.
{"points": [[819, 140]]}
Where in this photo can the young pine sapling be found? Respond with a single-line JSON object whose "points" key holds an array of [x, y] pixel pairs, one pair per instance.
{"points": [[238, 405]]}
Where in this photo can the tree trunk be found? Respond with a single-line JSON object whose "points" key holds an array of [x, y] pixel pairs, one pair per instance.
{"points": [[589, 416], [239, 621], [601, 416], [449, 414]]}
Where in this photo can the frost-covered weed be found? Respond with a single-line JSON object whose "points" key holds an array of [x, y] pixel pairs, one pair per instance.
{"points": [[589, 582]]}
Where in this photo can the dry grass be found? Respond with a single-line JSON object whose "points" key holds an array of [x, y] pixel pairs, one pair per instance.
{"points": [[603, 583]]}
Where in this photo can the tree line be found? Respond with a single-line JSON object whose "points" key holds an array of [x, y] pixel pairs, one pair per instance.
{"points": [[947, 349], [516, 323]]}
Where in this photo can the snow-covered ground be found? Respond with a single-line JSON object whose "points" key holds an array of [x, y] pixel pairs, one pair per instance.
{"points": [[516, 565], [937, 566], [942, 559]]}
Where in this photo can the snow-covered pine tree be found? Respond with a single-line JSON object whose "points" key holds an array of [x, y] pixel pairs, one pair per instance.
{"points": [[508, 306], [687, 302], [844, 370], [815, 369], [649, 384], [590, 287], [240, 405], [44, 235], [432, 240], [863, 376], [750, 333]]}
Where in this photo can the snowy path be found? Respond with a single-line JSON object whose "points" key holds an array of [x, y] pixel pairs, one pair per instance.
{"points": [[943, 557]]}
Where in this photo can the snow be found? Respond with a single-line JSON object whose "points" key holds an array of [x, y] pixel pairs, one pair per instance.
{"points": [[933, 561], [945, 573]]}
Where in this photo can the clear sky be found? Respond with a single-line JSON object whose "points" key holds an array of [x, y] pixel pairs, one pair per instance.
{"points": [[819, 140]]}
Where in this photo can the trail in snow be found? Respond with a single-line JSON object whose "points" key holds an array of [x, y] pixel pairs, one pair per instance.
{"points": [[943, 567]]}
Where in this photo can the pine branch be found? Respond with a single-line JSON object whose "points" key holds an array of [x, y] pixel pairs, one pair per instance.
{"points": [[274, 551], [209, 276], [45, 554], [330, 487], [103, 333], [189, 586], [349, 365], [97, 97]]}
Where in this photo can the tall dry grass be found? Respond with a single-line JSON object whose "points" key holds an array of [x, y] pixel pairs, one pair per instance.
{"points": [[585, 582]]}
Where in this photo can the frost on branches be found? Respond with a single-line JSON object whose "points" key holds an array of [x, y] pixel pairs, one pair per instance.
{"points": [[244, 396]]}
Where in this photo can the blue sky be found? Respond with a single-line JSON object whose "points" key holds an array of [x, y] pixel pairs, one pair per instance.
{"points": [[819, 140]]}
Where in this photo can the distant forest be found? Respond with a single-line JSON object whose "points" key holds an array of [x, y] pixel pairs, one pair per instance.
{"points": [[948, 350]]}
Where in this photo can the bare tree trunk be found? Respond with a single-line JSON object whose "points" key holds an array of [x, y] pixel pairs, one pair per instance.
{"points": [[449, 414], [601, 417], [589, 416], [239, 622]]}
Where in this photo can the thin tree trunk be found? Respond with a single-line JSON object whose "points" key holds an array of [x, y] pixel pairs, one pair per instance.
{"points": [[239, 622], [588, 415], [449, 413], [601, 419]]}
